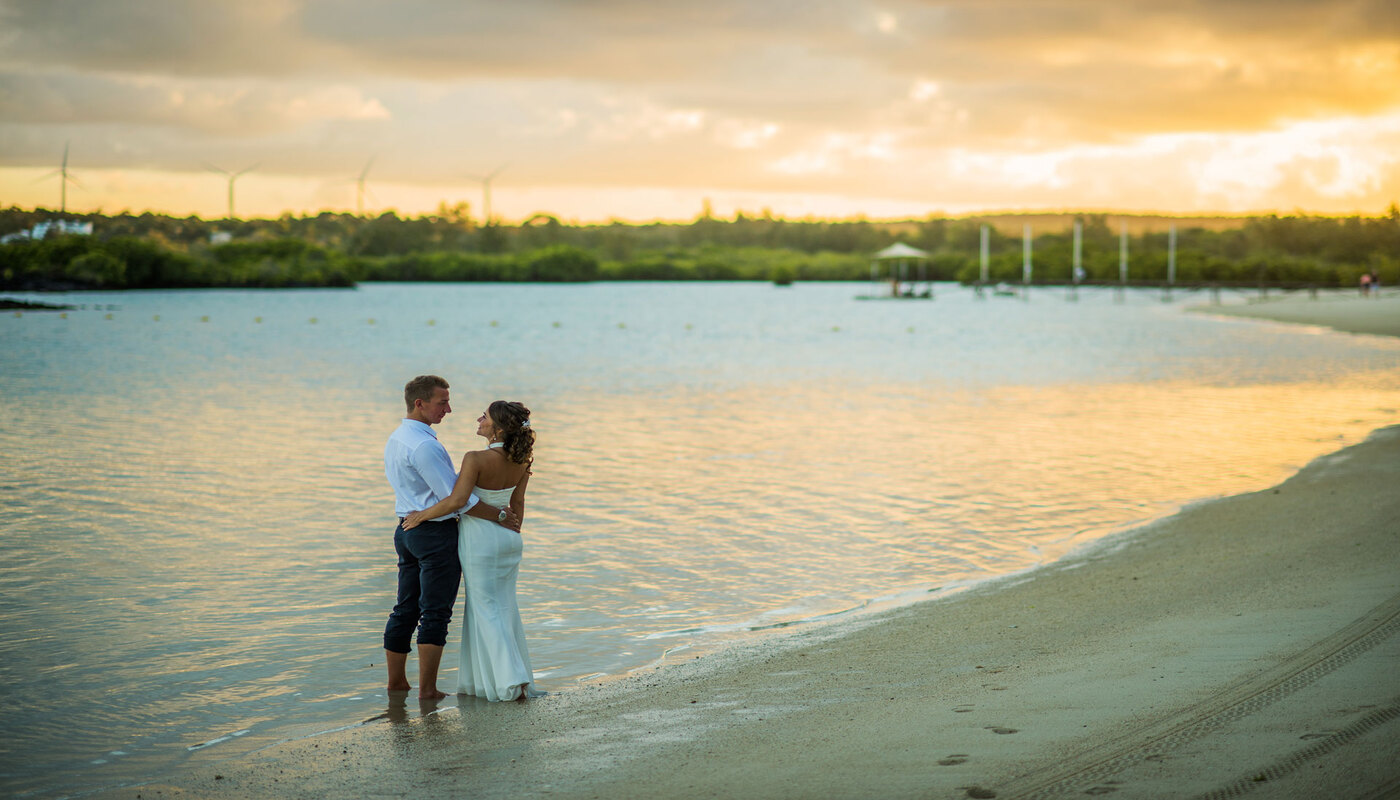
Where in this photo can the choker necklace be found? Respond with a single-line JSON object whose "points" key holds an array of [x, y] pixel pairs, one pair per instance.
{"points": [[495, 445]]}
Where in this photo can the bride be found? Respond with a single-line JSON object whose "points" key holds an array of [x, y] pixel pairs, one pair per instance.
{"points": [[494, 662]]}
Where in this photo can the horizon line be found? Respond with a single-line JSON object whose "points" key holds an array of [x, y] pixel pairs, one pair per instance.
{"points": [[759, 215]]}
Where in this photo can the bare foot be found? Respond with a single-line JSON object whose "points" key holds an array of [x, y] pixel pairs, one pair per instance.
{"points": [[395, 686], [431, 694]]}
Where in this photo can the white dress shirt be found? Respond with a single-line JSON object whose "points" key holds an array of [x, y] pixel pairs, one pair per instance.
{"points": [[419, 469]]}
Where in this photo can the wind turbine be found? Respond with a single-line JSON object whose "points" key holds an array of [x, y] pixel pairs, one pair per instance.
{"points": [[63, 180], [486, 192], [360, 188], [232, 176]]}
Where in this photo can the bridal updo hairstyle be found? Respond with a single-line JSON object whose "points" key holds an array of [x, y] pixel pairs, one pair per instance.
{"points": [[512, 420]]}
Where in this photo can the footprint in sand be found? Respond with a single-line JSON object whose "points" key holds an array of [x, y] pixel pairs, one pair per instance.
{"points": [[996, 729], [956, 758], [978, 792]]}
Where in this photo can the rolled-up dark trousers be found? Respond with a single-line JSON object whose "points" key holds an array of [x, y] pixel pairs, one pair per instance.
{"points": [[429, 574]]}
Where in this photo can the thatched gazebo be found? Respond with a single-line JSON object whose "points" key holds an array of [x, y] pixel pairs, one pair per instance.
{"points": [[893, 264]]}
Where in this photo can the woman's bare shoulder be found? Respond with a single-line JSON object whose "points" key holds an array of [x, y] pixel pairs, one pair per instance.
{"points": [[477, 457]]}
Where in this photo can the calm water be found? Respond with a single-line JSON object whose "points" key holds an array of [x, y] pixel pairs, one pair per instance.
{"points": [[195, 534]]}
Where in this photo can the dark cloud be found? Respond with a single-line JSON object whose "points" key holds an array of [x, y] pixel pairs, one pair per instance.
{"points": [[754, 95], [225, 108], [1102, 66], [161, 37]]}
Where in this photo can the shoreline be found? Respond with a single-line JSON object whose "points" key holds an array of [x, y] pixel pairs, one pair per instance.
{"points": [[1348, 313], [1247, 639], [11, 304]]}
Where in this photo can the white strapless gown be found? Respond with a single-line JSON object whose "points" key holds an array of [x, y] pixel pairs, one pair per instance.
{"points": [[494, 662]]}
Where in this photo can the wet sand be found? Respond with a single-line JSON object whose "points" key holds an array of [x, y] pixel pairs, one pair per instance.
{"points": [[1348, 312], [1248, 644]]}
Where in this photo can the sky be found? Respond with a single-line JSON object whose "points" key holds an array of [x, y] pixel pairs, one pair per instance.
{"points": [[636, 110]]}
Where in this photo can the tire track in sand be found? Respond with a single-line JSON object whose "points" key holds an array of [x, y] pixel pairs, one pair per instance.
{"points": [[1083, 771]]}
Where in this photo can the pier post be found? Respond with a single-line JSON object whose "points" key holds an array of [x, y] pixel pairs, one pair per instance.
{"points": [[1026, 262], [986, 263], [1171, 263], [1122, 261], [1077, 268]]}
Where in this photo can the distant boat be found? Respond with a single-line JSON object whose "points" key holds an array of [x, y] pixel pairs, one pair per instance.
{"points": [[910, 294]]}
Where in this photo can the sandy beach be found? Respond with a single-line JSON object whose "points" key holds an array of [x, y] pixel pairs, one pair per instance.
{"points": [[1347, 312], [1247, 644]]}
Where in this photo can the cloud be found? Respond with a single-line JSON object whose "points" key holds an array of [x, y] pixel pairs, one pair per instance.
{"points": [[223, 107], [745, 134], [834, 153], [1100, 69], [1343, 165], [627, 120], [159, 37], [941, 99]]}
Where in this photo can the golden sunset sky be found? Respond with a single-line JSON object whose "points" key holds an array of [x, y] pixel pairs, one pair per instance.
{"points": [[641, 110]]}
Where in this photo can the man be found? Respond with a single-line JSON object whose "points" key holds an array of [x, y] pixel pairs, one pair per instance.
{"points": [[419, 469]]}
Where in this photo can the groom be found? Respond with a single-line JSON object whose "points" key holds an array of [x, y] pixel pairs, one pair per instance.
{"points": [[419, 469]]}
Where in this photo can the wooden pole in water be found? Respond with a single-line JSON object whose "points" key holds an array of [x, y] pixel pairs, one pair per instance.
{"points": [[1026, 261], [986, 266], [1122, 259], [1171, 255], [1078, 260], [1171, 260]]}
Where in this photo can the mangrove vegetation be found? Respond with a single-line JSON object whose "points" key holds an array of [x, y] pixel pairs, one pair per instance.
{"points": [[129, 251]]}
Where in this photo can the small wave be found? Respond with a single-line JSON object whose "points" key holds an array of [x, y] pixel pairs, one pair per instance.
{"points": [[219, 740]]}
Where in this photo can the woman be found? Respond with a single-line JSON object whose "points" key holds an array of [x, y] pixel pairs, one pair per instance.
{"points": [[494, 662]]}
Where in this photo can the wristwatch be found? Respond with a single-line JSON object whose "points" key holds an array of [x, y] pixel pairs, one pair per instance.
{"points": [[501, 517]]}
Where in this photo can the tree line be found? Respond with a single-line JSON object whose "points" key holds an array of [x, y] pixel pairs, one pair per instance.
{"points": [[129, 251]]}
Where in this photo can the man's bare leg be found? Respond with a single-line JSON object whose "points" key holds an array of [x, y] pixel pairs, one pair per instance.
{"points": [[398, 664], [429, 656]]}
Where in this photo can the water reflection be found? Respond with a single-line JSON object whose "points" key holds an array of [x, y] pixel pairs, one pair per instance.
{"points": [[203, 547], [399, 704]]}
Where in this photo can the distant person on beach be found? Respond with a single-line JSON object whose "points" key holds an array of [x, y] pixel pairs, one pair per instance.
{"points": [[1375, 283], [1365, 283], [420, 471], [495, 661]]}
